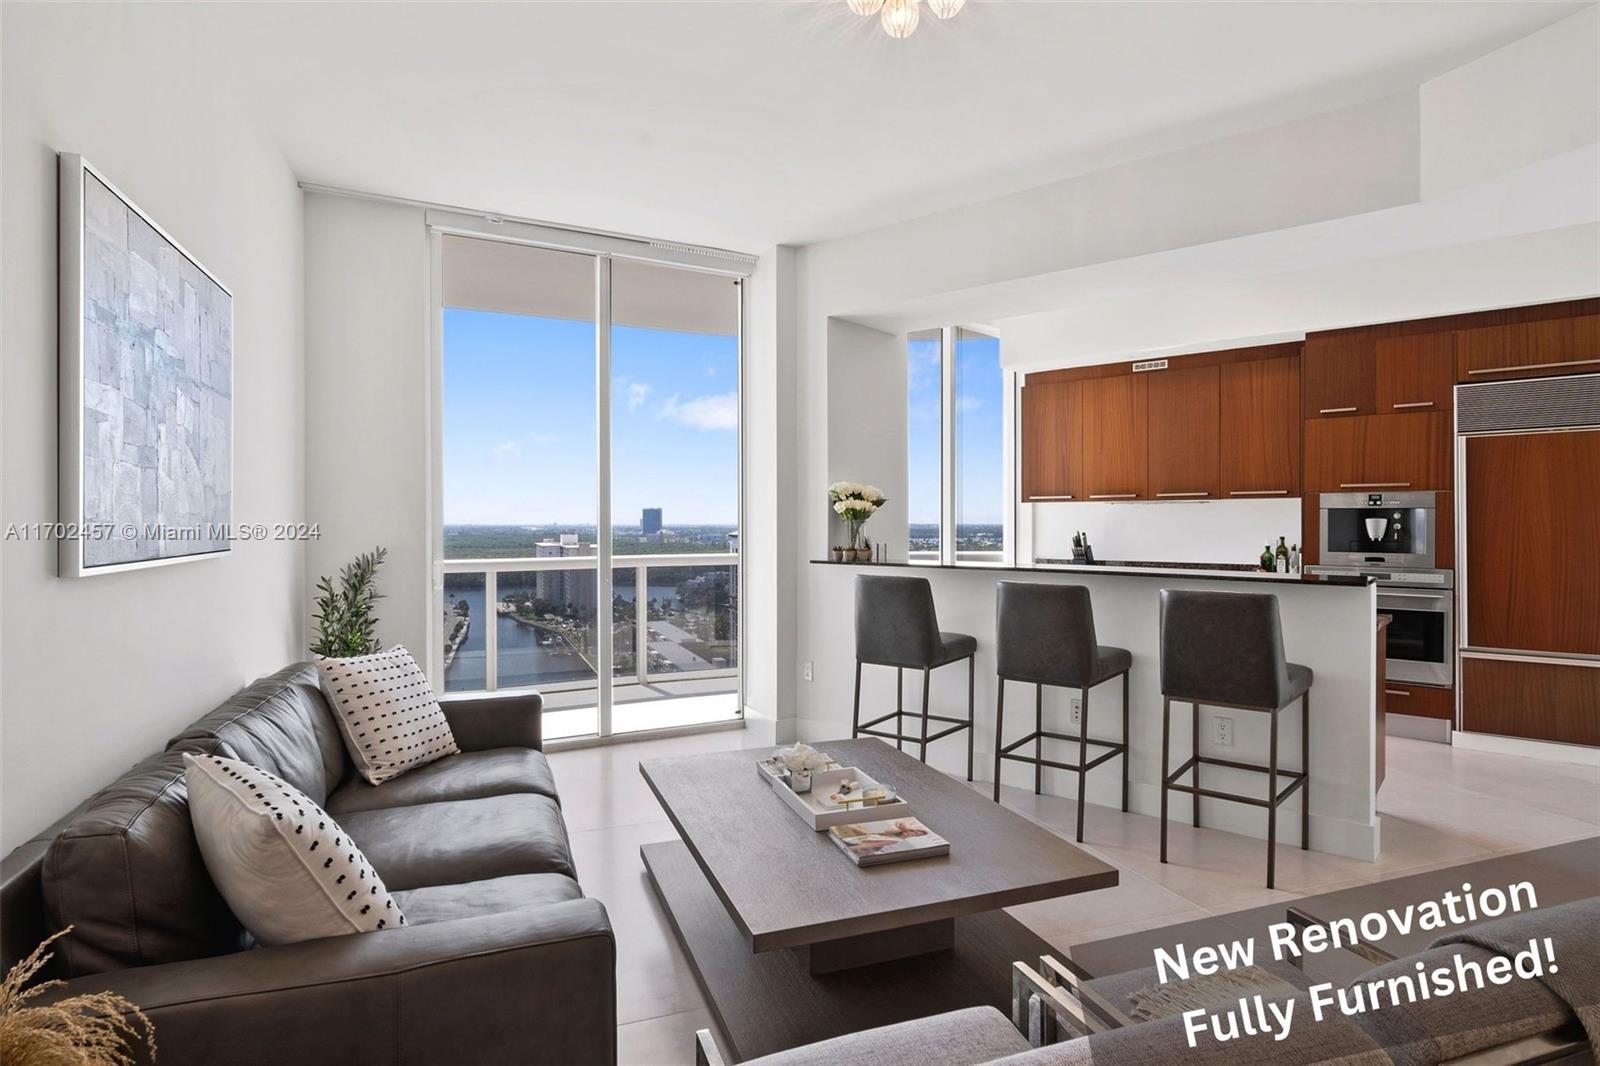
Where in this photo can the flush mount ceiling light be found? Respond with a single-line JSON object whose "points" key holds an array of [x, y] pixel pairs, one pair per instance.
{"points": [[899, 18]]}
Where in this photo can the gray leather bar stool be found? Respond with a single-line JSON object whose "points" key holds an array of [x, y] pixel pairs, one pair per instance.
{"points": [[1225, 649], [896, 626], [1045, 636]]}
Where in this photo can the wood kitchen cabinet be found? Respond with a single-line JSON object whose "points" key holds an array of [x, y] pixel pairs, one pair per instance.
{"points": [[1416, 372], [1184, 433], [1402, 451], [1052, 441], [1115, 424], [1260, 420], [1528, 349], [1533, 520], [1340, 375], [1421, 701], [1539, 700]]}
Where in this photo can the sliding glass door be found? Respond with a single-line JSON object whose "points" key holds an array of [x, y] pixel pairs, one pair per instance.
{"points": [[588, 454]]}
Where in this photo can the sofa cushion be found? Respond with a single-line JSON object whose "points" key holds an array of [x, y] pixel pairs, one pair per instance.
{"points": [[284, 865], [462, 840], [957, 1038], [127, 874], [469, 775], [282, 724], [387, 712], [443, 903]]}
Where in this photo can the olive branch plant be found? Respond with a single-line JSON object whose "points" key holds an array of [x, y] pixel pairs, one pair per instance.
{"points": [[346, 624]]}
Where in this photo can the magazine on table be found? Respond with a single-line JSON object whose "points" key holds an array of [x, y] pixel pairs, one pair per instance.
{"points": [[890, 840]]}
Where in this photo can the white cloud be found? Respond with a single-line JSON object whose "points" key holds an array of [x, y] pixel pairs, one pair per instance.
{"points": [[506, 451], [637, 392], [968, 404], [720, 411]]}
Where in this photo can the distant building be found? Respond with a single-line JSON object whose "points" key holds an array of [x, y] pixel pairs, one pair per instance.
{"points": [[733, 542], [650, 521], [566, 588]]}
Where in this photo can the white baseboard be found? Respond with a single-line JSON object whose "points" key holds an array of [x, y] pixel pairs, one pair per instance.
{"points": [[1548, 750], [1416, 727]]}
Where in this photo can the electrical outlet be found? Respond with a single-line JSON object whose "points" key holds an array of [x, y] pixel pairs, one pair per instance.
{"points": [[806, 672], [1075, 709], [1224, 731]]}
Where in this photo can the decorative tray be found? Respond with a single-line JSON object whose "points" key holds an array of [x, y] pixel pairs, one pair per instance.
{"points": [[829, 802]]}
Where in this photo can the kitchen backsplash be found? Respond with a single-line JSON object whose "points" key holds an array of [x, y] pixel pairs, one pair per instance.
{"points": [[1202, 531]]}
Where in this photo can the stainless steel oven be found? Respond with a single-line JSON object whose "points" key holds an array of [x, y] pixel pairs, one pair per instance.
{"points": [[1420, 642], [1382, 529]]}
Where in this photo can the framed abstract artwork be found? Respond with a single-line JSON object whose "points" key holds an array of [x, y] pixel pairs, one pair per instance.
{"points": [[146, 388]]}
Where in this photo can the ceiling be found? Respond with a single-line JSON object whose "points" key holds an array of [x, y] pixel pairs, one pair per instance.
{"points": [[742, 125]]}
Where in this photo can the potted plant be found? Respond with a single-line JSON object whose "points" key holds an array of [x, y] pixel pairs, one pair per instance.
{"points": [[346, 622], [855, 504]]}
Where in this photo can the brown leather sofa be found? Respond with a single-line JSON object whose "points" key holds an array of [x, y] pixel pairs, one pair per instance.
{"points": [[503, 959]]}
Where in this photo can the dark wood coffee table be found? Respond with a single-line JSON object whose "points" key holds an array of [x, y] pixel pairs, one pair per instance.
{"points": [[791, 942]]}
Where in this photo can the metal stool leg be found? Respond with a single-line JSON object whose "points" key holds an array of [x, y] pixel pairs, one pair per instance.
{"points": [[999, 731], [1038, 742], [1166, 734], [972, 722], [1194, 749], [1127, 745], [926, 675], [1083, 756], [855, 717], [899, 706], [1272, 802], [1305, 768]]}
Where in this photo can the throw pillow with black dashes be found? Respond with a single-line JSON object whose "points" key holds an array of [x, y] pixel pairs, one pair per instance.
{"points": [[286, 868], [387, 712]]}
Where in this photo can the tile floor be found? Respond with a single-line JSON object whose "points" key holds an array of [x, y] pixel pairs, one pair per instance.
{"points": [[1440, 806]]}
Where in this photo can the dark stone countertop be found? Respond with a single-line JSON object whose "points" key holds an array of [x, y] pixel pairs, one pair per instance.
{"points": [[1205, 571]]}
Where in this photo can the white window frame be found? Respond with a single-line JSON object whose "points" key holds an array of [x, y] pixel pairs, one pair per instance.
{"points": [[948, 555], [604, 248]]}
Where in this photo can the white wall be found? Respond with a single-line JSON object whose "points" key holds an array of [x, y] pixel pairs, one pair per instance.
{"points": [[367, 365], [101, 671], [867, 415]]}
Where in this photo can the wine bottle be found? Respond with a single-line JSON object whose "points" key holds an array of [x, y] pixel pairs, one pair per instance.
{"points": [[1266, 558], [1281, 558]]}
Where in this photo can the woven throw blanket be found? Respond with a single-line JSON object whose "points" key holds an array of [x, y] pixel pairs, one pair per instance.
{"points": [[1575, 930]]}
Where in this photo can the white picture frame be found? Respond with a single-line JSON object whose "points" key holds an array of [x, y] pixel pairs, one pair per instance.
{"points": [[164, 412]]}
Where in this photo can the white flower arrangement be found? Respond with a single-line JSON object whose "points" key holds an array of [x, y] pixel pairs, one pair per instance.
{"points": [[802, 758], [855, 503]]}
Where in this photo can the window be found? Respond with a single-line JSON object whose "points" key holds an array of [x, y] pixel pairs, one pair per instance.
{"points": [[924, 443], [538, 490], [957, 487]]}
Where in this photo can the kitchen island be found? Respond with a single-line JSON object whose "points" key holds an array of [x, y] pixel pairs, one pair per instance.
{"points": [[1328, 625]]}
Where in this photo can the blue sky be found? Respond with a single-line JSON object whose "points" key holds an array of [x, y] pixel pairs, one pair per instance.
{"points": [[519, 422]]}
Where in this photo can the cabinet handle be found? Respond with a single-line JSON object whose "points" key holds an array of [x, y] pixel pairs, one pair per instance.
{"points": [[1258, 492], [1415, 403], [1374, 484], [1179, 495], [1395, 692], [1113, 495], [1534, 366], [1337, 410], [1049, 497]]}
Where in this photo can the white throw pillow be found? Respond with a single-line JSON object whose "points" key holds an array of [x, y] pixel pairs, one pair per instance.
{"points": [[387, 712], [286, 868]]}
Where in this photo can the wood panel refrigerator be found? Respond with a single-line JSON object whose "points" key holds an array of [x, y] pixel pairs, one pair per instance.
{"points": [[1528, 558]]}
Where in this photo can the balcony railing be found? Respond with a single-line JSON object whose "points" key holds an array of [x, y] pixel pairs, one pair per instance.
{"points": [[671, 646]]}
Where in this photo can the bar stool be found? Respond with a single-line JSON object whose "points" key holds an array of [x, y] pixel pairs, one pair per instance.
{"points": [[1045, 636], [896, 626], [1225, 649]]}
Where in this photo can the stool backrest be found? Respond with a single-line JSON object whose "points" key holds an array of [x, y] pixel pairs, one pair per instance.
{"points": [[895, 621], [1223, 647], [1044, 634]]}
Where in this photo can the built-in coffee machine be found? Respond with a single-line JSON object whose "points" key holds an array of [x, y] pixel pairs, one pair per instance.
{"points": [[1390, 536], [1383, 529]]}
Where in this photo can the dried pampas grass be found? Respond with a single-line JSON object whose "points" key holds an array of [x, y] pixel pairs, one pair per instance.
{"points": [[102, 1029]]}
